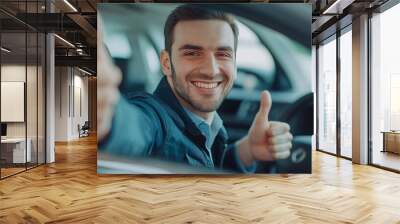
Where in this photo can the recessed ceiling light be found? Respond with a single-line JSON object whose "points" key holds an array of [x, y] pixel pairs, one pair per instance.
{"points": [[337, 7], [70, 5], [64, 40], [5, 49], [84, 71]]}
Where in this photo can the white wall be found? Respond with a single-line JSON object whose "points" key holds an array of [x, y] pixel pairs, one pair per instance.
{"points": [[13, 73], [79, 117], [70, 83], [62, 81]]}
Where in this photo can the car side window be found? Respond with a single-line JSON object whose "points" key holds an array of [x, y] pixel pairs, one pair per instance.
{"points": [[255, 63]]}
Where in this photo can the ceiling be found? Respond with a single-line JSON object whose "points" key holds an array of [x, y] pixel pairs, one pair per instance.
{"points": [[76, 25], [76, 22]]}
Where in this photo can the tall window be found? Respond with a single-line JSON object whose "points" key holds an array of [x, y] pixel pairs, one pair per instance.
{"points": [[385, 84], [327, 96], [345, 94]]}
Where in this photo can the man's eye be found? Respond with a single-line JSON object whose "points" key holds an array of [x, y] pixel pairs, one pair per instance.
{"points": [[191, 53], [224, 54]]}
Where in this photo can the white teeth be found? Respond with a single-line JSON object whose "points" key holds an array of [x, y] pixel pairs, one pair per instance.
{"points": [[206, 85]]}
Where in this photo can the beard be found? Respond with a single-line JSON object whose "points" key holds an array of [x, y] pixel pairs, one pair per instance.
{"points": [[197, 102]]}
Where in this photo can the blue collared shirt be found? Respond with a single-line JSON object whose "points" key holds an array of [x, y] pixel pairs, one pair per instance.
{"points": [[211, 131]]}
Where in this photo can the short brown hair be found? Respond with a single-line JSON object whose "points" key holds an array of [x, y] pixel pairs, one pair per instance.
{"points": [[189, 12]]}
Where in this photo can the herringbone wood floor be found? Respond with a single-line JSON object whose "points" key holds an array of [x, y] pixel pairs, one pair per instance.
{"points": [[70, 191]]}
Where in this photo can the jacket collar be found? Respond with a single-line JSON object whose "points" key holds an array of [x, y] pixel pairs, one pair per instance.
{"points": [[178, 114]]}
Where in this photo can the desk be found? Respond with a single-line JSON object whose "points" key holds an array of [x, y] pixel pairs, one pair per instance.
{"points": [[391, 141], [15, 148]]}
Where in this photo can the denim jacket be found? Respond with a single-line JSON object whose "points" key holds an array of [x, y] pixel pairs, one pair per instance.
{"points": [[156, 125]]}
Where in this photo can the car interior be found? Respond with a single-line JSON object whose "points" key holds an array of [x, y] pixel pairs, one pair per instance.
{"points": [[270, 56]]}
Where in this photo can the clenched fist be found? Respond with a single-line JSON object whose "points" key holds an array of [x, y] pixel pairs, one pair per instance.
{"points": [[108, 80], [266, 140]]}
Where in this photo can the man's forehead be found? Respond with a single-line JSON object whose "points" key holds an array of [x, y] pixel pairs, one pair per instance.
{"points": [[205, 33]]}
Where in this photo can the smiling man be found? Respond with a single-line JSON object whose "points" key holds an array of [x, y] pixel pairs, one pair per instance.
{"points": [[202, 53], [179, 122]]}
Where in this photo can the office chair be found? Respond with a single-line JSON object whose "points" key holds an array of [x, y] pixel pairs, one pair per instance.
{"points": [[84, 130]]}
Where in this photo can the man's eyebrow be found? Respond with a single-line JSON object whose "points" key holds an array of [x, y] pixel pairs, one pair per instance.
{"points": [[190, 47], [225, 48], [195, 47]]}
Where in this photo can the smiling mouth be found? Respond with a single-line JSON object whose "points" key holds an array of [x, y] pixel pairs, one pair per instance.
{"points": [[206, 85]]}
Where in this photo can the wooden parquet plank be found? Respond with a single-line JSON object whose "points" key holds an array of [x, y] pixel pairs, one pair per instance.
{"points": [[70, 191]]}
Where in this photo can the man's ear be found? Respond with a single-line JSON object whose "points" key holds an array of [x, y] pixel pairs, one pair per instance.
{"points": [[165, 62]]}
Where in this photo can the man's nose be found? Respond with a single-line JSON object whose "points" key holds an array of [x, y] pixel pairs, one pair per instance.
{"points": [[210, 66]]}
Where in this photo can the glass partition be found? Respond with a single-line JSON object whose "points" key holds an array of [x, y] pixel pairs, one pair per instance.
{"points": [[327, 96], [13, 105], [22, 77]]}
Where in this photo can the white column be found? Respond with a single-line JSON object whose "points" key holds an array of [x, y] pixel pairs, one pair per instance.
{"points": [[50, 100], [360, 90], [50, 92]]}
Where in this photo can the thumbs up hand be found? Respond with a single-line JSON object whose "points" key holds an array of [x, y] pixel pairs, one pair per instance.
{"points": [[266, 140]]}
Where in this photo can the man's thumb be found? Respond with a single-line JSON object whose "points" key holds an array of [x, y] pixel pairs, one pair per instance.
{"points": [[265, 105]]}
